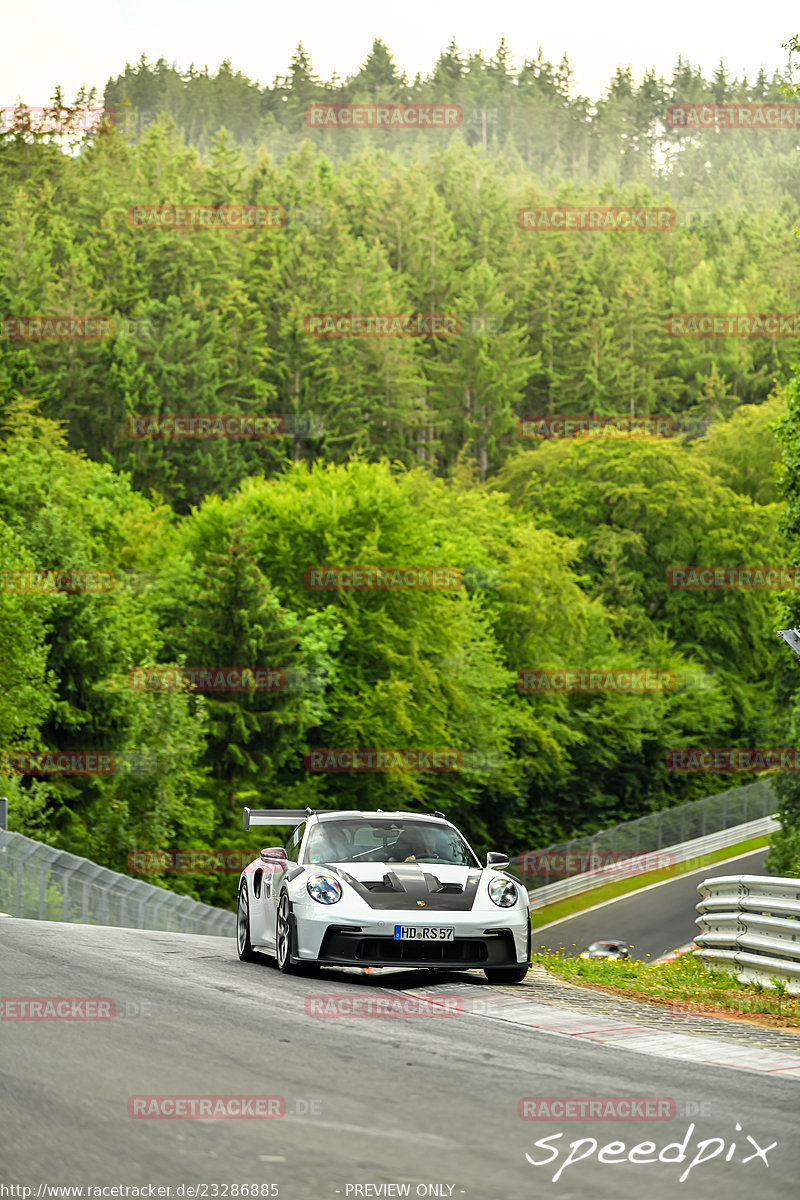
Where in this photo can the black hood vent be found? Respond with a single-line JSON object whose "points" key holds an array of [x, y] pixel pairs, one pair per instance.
{"points": [[415, 886], [389, 883]]}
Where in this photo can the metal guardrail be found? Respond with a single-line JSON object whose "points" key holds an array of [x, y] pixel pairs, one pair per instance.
{"points": [[750, 924], [665, 829], [639, 864], [45, 884]]}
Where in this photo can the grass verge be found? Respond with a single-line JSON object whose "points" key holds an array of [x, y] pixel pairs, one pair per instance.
{"points": [[685, 987], [622, 887]]}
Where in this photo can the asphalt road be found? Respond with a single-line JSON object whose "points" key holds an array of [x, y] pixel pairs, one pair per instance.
{"points": [[653, 921], [370, 1102]]}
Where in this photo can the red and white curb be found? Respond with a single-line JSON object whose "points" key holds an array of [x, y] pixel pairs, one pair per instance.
{"points": [[484, 1001], [673, 954]]}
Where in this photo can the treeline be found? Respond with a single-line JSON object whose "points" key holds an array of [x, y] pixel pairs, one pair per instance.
{"points": [[209, 320], [532, 116]]}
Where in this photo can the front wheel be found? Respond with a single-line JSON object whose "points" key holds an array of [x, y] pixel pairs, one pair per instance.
{"points": [[506, 974], [243, 943]]}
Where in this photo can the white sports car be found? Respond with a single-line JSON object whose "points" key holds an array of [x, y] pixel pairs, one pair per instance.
{"points": [[380, 889]]}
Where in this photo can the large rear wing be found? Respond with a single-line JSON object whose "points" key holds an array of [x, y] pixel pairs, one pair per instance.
{"points": [[275, 816]]}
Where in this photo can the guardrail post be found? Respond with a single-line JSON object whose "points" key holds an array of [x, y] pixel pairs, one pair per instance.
{"points": [[68, 873], [3, 813]]}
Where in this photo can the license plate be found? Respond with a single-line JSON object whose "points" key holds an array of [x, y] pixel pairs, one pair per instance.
{"points": [[424, 933]]}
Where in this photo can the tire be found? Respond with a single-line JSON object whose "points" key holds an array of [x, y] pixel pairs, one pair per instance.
{"points": [[514, 974], [506, 974], [243, 944], [284, 936]]}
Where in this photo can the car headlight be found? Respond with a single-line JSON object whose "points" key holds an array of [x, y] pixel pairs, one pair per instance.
{"points": [[503, 892], [325, 889]]}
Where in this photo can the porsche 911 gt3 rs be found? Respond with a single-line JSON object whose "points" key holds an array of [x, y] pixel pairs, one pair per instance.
{"points": [[380, 889]]}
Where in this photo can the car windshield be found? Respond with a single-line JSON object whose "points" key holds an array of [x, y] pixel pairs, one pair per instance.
{"points": [[344, 841], [604, 946]]}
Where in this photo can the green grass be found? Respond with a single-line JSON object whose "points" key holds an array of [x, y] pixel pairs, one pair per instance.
{"points": [[622, 887], [686, 986]]}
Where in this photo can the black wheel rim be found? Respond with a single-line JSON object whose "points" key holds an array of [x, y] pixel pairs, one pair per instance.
{"points": [[283, 931]]}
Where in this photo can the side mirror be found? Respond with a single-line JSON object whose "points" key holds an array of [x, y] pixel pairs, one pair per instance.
{"points": [[274, 858], [497, 859]]}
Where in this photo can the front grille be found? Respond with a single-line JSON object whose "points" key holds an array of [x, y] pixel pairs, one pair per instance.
{"points": [[464, 950], [341, 946]]}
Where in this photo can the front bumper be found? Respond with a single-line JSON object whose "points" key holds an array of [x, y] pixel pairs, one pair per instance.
{"points": [[481, 938], [342, 946]]}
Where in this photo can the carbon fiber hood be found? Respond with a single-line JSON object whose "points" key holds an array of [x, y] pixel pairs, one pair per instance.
{"points": [[415, 886]]}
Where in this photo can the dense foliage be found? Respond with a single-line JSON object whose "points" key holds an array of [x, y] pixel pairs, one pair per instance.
{"points": [[398, 451]]}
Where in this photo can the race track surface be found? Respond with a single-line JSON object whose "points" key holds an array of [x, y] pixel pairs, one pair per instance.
{"points": [[372, 1104]]}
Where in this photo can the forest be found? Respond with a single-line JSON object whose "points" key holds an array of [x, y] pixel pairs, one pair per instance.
{"points": [[216, 459]]}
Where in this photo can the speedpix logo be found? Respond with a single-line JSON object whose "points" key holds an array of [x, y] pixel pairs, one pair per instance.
{"points": [[615, 1153]]}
